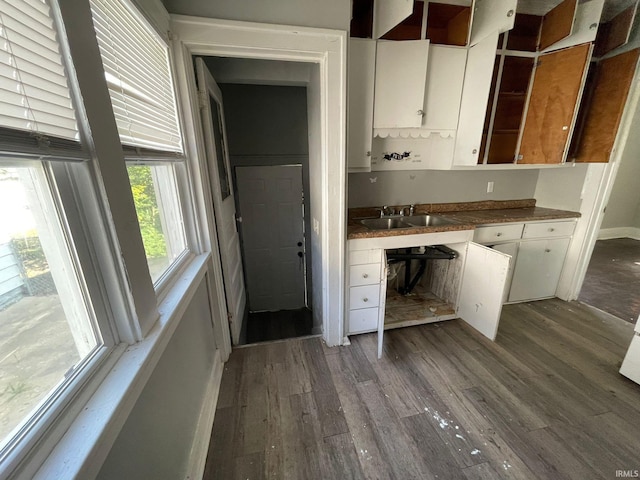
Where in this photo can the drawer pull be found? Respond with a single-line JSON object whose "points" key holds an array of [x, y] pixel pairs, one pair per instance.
{"points": [[552, 229], [547, 250], [365, 275], [499, 234], [365, 299]]}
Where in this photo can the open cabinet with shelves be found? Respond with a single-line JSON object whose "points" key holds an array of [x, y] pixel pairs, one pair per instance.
{"points": [[538, 77]]}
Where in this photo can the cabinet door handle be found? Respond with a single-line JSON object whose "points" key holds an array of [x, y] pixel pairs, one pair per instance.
{"points": [[365, 299], [421, 113], [365, 275]]}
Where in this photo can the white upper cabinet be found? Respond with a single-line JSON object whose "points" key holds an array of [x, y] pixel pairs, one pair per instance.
{"points": [[585, 25], [389, 13], [401, 70], [361, 74], [475, 95], [443, 88], [491, 17]]}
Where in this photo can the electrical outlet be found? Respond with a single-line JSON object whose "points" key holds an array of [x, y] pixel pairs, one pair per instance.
{"points": [[489, 187]]}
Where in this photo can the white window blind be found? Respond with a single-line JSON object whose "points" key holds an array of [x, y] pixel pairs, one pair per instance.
{"points": [[36, 114], [136, 66]]}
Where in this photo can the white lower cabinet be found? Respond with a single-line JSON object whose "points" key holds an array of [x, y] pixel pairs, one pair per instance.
{"points": [[537, 269], [538, 250], [470, 287]]}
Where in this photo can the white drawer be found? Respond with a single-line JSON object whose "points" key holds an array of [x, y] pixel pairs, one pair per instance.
{"points": [[363, 320], [358, 257], [548, 229], [364, 297], [498, 233], [364, 274]]}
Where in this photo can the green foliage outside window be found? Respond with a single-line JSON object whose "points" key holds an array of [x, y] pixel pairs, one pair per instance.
{"points": [[144, 197]]}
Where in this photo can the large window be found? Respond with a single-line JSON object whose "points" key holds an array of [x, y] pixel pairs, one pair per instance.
{"points": [[46, 329], [50, 336], [138, 74]]}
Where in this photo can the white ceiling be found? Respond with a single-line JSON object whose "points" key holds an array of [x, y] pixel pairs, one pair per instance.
{"points": [[540, 7]]}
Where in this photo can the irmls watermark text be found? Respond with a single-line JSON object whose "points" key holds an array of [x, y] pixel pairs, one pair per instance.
{"points": [[627, 473]]}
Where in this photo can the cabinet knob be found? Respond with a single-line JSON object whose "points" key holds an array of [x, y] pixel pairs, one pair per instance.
{"points": [[510, 13], [552, 229], [421, 113], [499, 234], [365, 299], [547, 250], [369, 153], [365, 275], [474, 151]]}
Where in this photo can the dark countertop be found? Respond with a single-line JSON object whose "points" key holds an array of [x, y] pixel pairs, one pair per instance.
{"points": [[467, 215]]}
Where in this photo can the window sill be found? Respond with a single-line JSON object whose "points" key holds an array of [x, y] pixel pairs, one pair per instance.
{"points": [[83, 448]]}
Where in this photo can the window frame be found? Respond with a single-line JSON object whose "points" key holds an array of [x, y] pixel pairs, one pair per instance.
{"points": [[125, 313]]}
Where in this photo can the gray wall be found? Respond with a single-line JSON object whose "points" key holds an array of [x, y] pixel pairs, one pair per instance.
{"points": [[156, 439], [267, 125], [265, 119], [434, 186], [335, 14], [623, 209]]}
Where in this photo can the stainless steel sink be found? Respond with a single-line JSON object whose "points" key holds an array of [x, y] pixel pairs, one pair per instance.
{"points": [[385, 223], [427, 221]]}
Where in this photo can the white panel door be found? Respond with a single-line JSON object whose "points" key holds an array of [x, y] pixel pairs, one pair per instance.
{"points": [[489, 17], [483, 283], [401, 72], [222, 196], [389, 13], [271, 206], [475, 96]]}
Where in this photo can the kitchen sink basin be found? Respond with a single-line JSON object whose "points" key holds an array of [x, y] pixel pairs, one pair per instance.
{"points": [[385, 223], [427, 221]]}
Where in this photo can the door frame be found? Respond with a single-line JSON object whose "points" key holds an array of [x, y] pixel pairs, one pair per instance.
{"points": [[326, 49]]}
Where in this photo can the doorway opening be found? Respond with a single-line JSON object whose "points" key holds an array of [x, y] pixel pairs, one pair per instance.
{"points": [[267, 139]]}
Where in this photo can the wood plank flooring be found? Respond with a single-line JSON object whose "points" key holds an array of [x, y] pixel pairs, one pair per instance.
{"points": [[612, 279], [545, 401]]}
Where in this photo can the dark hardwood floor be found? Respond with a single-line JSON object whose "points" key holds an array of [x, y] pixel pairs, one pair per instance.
{"points": [[612, 283], [269, 326], [545, 401]]}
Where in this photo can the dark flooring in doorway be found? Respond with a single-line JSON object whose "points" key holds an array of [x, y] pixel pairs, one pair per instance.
{"points": [[612, 283], [268, 326]]}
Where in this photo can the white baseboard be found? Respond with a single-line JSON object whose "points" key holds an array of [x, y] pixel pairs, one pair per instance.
{"points": [[620, 232], [202, 436]]}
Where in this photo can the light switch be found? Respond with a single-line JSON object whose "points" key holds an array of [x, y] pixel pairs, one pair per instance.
{"points": [[489, 187]]}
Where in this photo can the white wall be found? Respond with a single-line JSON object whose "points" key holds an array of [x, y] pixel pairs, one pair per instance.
{"points": [[335, 14], [157, 438], [434, 186], [623, 208]]}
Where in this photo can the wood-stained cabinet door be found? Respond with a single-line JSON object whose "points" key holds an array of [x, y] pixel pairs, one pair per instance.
{"points": [[605, 108], [557, 23], [557, 83]]}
